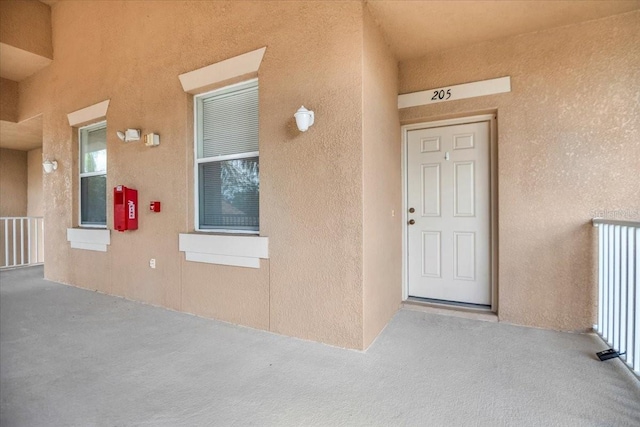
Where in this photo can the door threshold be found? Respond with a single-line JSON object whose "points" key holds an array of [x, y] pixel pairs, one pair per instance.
{"points": [[450, 308]]}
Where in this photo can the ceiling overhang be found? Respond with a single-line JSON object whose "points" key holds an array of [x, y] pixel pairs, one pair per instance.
{"points": [[24, 136], [417, 28]]}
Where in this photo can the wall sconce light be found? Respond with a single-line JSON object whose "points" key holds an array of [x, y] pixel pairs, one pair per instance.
{"points": [[129, 135], [304, 118], [49, 165]]}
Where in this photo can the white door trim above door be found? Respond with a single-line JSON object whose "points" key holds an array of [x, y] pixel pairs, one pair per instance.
{"points": [[491, 118]]}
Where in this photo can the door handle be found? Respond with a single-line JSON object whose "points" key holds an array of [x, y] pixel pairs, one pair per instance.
{"points": [[411, 222], [411, 210]]}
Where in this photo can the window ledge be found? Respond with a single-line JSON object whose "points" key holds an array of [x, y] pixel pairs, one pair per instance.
{"points": [[90, 239], [238, 250]]}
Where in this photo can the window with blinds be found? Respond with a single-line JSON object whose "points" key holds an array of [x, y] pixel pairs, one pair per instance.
{"points": [[227, 159], [93, 175]]}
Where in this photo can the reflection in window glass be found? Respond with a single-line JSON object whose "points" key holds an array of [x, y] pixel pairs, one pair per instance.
{"points": [[229, 194], [93, 198]]}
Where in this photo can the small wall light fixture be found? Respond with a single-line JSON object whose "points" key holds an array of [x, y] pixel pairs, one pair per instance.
{"points": [[49, 165], [152, 140], [304, 118], [129, 135]]}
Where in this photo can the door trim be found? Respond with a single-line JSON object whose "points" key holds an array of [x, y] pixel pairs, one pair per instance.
{"points": [[493, 189]]}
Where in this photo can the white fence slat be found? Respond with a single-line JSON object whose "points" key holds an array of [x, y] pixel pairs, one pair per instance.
{"points": [[614, 339], [21, 241], [611, 264], [631, 306], [636, 351], [600, 279], [605, 289], [13, 235], [6, 242], [624, 288], [29, 240]]}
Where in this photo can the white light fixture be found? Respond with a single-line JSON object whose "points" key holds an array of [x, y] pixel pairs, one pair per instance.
{"points": [[49, 165], [152, 140], [304, 118], [129, 135]]}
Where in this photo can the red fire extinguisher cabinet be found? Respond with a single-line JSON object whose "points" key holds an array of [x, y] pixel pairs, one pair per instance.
{"points": [[125, 208]]}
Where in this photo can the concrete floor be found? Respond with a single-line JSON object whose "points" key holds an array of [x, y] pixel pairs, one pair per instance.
{"points": [[71, 357]]}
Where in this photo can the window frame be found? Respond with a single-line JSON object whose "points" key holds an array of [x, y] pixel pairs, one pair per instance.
{"points": [[86, 129], [198, 137]]}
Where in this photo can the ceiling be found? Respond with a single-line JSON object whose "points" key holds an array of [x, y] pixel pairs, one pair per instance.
{"points": [[417, 28], [24, 136]]}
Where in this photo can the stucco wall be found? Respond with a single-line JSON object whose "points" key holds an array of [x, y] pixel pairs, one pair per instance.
{"points": [[8, 100], [382, 195], [34, 183], [13, 182], [311, 183], [26, 24], [567, 145]]}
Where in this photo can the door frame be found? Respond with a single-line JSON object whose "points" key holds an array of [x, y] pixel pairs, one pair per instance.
{"points": [[493, 190]]}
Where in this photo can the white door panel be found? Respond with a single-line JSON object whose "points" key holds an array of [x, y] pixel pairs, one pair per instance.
{"points": [[463, 189], [431, 253], [430, 189], [448, 182]]}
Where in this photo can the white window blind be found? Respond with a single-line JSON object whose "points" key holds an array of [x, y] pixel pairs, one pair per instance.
{"points": [[230, 123], [227, 161]]}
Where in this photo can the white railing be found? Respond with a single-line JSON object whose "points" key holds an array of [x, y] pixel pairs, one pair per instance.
{"points": [[619, 288], [21, 241]]}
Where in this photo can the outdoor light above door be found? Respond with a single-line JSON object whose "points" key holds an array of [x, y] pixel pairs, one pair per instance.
{"points": [[304, 118]]}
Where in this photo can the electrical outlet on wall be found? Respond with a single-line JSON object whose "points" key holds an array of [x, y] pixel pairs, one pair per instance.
{"points": [[152, 263]]}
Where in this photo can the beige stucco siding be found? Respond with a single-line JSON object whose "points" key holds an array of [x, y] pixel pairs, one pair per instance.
{"points": [[382, 195], [8, 100], [26, 25], [13, 182], [567, 145], [34, 183], [311, 191]]}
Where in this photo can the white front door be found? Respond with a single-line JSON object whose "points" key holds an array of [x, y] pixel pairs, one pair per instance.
{"points": [[449, 229]]}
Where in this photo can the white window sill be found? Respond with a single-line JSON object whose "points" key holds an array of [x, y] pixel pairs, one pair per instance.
{"points": [[239, 251], [90, 239]]}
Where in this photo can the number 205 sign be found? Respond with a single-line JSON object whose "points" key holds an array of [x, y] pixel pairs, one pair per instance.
{"points": [[452, 93], [441, 95]]}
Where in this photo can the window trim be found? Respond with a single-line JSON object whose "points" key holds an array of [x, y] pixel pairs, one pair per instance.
{"points": [[197, 114], [98, 125]]}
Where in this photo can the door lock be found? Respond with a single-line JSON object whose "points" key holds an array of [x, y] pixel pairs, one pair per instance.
{"points": [[411, 222], [411, 210]]}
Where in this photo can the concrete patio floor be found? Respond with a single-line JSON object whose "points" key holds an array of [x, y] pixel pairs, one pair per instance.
{"points": [[72, 357]]}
